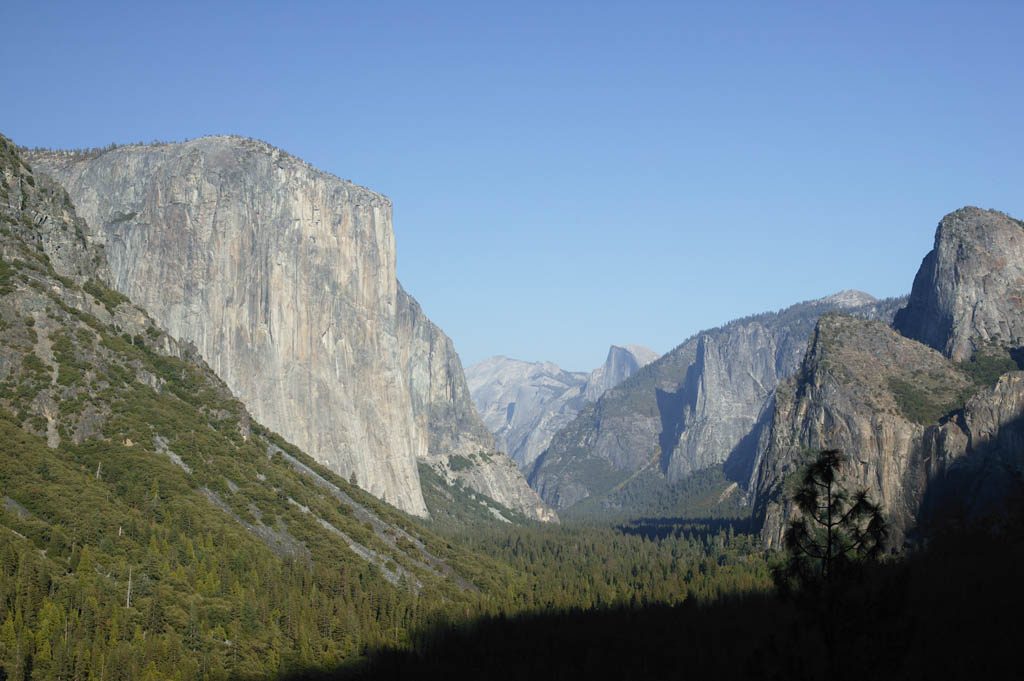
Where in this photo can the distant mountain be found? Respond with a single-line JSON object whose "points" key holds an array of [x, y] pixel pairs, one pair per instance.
{"points": [[525, 403], [933, 432], [622, 362], [283, 276], [699, 406]]}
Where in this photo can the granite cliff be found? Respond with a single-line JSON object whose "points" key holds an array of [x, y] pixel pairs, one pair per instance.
{"points": [[969, 290], [283, 276], [134, 485], [460, 449], [525, 403], [930, 431], [700, 405]]}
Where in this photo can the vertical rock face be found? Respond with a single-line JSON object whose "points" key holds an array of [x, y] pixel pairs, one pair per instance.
{"points": [[283, 276], [926, 432], [702, 404], [443, 408], [525, 403], [856, 391], [897, 410], [970, 287]]}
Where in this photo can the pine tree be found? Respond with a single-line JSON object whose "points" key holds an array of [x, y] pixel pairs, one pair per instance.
{"points": [[835, 531], [833, 537]]}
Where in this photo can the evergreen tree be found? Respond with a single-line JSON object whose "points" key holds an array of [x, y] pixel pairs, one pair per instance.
{"points": [[834, 532]]}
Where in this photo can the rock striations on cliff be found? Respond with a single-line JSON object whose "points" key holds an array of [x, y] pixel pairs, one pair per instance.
{"points": [[969, 290], [443, 408], [525, 403], [283, 276], [865, 389], [700, 405], [930, 431]]}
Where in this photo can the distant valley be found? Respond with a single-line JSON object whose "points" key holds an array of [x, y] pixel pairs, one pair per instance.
{"points": [[718, 424], [233, 446]]}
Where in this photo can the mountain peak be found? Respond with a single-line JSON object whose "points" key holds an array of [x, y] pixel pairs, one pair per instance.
{"points": [[969, 289], [849, 298], [622, 362]]}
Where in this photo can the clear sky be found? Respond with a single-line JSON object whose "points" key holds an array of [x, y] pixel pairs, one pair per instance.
{"points": [[570, 175]]}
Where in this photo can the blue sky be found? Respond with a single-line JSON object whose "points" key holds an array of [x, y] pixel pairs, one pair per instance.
{"points": [[570, 175]]}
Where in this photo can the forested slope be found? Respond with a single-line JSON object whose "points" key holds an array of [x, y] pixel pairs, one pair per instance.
{"points": [[149, 528]]}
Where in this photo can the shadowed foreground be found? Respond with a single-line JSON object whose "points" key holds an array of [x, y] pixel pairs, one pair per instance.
{"points": [[948, 613]]}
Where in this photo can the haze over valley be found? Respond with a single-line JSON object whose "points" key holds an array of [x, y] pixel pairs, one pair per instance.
{"points": [[682, 340]]}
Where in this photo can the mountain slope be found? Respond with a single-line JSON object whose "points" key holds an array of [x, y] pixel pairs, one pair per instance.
{"points": [[699, 406], [927, 436], [148, 526], [524, 404], [283, 276], [622, 362], [909, 420]]}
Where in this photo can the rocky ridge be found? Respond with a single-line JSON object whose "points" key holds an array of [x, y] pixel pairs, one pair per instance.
{"points": [[525, 403], [702, 404], [930, 432], [283, 276]]}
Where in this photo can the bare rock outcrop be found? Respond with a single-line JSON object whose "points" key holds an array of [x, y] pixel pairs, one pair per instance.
{"points": [[899, 411], [867, 390], [524, 403], [283, 276], [932, 429], [970, 288]]}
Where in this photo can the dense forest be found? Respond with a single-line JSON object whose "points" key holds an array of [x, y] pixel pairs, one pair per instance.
{"points": [[135, 581]]}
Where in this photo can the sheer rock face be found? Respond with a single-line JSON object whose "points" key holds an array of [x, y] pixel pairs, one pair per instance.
{"points": [[847, 396], [970, 287], [700, 405], [283, 276], [858, 379], [444, 409], [843, 399], [525, 403]]}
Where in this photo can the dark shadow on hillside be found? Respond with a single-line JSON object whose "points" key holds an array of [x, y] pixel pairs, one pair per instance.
{"points": [[739, 465], [671, 408], [976, 489], [698, 528], [944, 614]]}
